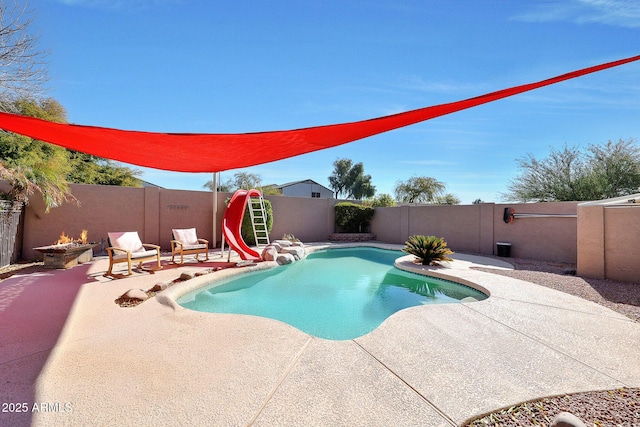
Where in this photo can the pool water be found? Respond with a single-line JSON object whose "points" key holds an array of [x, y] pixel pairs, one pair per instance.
{"points": [[336, 294]]}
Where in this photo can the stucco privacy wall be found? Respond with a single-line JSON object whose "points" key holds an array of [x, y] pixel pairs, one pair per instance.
{"points": [[102, 209], [477, 228], [608, 239], [150, 211], [309, 219], [153, 212], [547, 239]]}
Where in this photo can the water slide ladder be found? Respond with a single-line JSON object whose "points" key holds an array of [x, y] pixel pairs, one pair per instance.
{"points": [[258, 214], [259, 221]]}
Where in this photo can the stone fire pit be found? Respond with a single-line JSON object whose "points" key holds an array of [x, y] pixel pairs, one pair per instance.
{"points": [[66, 255]]}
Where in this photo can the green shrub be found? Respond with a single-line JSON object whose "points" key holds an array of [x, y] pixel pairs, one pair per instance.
{"points": [[352, 217], [247, 229], [428, 249]]}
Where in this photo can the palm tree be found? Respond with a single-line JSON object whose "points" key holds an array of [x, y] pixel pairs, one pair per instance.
{"points": [[45, 179]]}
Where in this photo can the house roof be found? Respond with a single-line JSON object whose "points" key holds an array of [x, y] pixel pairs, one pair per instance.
{"points": [[304, 181]]}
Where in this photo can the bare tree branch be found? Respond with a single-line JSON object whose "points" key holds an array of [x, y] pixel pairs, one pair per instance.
{"points": [[23, 67]]}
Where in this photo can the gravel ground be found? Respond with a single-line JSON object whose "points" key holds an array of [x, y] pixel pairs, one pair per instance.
{"points": [[601, 408]]}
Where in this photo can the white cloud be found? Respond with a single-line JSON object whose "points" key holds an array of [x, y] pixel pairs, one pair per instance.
{"points": [[621, 13]]}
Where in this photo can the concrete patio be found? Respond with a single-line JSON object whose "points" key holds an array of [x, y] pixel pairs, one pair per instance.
{"points": [[68, 348]]}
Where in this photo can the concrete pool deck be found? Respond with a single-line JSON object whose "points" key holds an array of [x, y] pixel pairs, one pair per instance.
{"points": [[67, 348]]}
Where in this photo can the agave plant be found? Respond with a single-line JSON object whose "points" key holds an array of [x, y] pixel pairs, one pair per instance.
{"points": [[428, 249]]}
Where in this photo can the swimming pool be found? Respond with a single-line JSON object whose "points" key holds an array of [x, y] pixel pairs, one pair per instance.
{"points": [[336, 294]]}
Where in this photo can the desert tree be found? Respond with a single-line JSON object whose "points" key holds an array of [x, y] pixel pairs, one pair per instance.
{"points": [[419, 189], [569, 174], [349, 179], [23, 66], [447, 199]]}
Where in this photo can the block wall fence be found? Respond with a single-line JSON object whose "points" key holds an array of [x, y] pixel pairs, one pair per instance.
{"points": [[602, 242]]}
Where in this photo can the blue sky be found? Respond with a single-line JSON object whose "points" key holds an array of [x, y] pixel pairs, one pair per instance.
{"points": [[243, 66]]}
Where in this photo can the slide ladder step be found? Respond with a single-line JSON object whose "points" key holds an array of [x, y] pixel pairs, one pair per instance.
{"points": [[259, 221]]}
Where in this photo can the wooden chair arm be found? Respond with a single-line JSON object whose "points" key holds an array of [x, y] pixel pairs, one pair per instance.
{"points": [[111, 249], [145, 245], [206, 242]]}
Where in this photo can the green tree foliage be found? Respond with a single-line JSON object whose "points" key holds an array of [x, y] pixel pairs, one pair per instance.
{"points": [[447, 199], [606, 171], [353, 217], [616, 168], [380, 201], [339, 179], [350, 180], [419, 189], [31, 165], [247, 228], [243, 181], [89, 169]]}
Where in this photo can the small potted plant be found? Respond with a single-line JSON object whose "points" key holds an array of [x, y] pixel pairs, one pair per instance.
{"points": [[428, 249]]}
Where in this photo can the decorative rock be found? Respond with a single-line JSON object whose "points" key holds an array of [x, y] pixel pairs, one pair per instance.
{"points": [[169, 302], [187, 275], [269, 253], [298, 243], [204, 272], [566, 419], [160, 286], [285, 259], [283, 243], [136, 294], [297, 252], [276, 245]]}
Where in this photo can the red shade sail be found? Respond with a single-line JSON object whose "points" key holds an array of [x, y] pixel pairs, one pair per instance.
{"points": [[219, 152]]}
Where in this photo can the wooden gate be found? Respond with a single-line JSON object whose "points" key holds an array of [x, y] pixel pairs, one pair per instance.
{"points": [[9, 221]]}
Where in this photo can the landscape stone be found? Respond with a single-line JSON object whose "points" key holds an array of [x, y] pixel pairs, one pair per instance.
{"points": [[566, 419], [136, 294], [269, 253], [285, 259], [276, 245], [187, 275], [297, 252], [160, 286]]}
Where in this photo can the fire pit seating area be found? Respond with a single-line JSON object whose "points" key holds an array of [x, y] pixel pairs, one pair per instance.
{"points": [[127, 247], [67, 252], [186, 242]]}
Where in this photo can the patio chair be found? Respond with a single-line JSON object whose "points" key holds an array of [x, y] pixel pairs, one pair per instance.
{"points": [[186, 242], [127, 247]]}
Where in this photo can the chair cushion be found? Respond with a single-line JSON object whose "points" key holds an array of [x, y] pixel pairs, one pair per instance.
{"points": [[186, 236], [191, 247], [136, 255], [143, 254], [127, 240]]}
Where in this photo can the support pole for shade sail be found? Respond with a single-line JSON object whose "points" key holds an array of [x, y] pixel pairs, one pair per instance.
{"points": [[215, 210]]}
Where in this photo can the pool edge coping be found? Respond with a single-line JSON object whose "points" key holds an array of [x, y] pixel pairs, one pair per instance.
{"points": [[169, 296]]}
